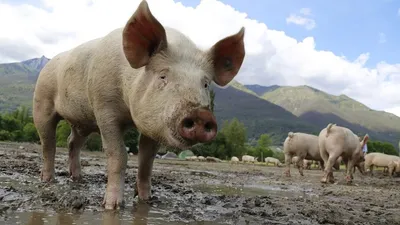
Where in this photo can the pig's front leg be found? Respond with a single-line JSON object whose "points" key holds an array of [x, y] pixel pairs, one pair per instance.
{"points": [[288, 160], [350, 165], [113, 144], [147, 152]]}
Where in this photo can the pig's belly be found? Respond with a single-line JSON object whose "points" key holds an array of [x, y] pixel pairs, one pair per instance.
{"points": [[78, 113]]}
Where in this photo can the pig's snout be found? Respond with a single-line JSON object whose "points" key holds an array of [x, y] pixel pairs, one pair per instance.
{"points": [[199, 126]]}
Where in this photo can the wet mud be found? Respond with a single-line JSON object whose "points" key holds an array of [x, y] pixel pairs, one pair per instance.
{"points": [[187, 192]]}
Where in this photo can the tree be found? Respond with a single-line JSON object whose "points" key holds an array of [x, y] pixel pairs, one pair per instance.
{"points": [[383, 147], [264, 141], [131, 139], [235, 137], [212, 97], [29, 132], [93, 143], [262, 148], [62, 133]]}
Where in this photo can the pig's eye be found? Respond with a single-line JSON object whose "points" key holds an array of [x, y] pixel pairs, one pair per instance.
{"points": [[163, 77], [206, 85]]}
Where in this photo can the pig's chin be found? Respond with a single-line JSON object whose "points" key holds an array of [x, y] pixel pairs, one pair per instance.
{"points": [[177, 142]]}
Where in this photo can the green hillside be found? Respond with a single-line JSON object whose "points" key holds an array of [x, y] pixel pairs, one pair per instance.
{"points": [[17, 82]]}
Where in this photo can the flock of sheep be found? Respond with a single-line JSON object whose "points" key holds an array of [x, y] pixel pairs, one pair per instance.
{"points": [[333, 145]]}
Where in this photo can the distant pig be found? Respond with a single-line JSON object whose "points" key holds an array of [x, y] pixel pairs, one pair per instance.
{"points": [[248, 158], [335, 141], [144, 75], [191, 158], [234, 159], [394, 167], [378, 159], [307, 164], [201, 158], [302, 145], [273, 160], [213, 159]]}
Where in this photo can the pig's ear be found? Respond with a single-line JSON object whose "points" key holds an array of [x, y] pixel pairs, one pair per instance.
{"points": [[366, 138], [143, 36], [227, 56]]}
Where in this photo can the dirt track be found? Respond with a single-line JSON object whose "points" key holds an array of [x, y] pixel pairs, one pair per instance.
{"points": [[200, 191]]}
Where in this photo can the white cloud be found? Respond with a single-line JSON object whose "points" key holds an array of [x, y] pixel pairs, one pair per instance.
{"points": [[398, 12], [302, 20], [382, 38], [272, 56], [394, 110]]}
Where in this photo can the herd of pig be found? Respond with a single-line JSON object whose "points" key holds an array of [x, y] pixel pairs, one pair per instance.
{"points": [[334, 145], [155, 79]]}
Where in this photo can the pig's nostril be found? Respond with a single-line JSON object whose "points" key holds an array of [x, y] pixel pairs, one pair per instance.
{"points": [[188, 123], [208, 126]]}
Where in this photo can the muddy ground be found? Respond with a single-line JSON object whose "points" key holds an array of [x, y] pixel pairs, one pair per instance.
{"points": [[188, 192]]}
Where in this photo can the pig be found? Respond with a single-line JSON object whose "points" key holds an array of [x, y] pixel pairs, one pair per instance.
{"points": [[394, 166], [201, 158], [378, 159], [213, 159], [359, 166], [307, 164], [248, 158], [234, 159], [131, 77], [192, 158], [294, 160], [273, 160], [335, 141], [302, 145]]}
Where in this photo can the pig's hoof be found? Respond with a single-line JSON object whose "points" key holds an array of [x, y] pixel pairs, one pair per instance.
{"points": [[47, 177], [287, 173], [75, 175], [113, 204], [76, 178], [324, 180]]}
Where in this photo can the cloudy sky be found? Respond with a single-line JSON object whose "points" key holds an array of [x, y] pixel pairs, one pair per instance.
{"points": [[338, 46]]}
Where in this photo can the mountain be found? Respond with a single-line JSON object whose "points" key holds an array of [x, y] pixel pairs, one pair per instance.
{"points": [[258, 115], [320, 108], [260, 90], [274, 110], [17, 81]]}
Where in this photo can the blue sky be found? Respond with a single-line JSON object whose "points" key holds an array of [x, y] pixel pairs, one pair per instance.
{"points": [[345, 27]]}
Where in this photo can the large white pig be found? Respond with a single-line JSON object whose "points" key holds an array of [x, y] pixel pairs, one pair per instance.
{"points": [[335, 141], [302, 145], [144, 75]]}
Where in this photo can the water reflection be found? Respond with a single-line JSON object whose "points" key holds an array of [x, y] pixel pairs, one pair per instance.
{"points": [[36, 218], [138, 216], [141, 213], [111, 217], [66, 219]]}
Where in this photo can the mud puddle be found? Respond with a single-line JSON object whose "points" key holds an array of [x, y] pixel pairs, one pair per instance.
{"points": [[139, 216], [190, 193], [254, 190]]}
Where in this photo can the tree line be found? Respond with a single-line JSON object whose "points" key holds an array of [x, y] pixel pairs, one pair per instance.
{"points": [[231, 139]]}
